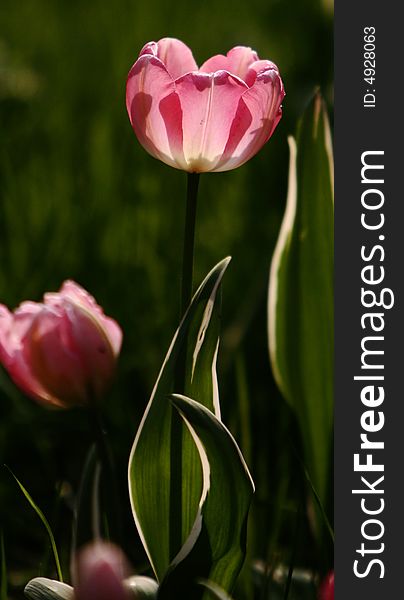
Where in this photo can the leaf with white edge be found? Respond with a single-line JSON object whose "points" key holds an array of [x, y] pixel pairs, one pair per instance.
{"points": [[165, 477], [41, 588], [215, 591], [215, 549], [142, 588], [300, 305]]}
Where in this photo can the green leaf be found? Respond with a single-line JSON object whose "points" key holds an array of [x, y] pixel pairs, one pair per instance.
{"points": [[44, 522], [215, 591], [300, 306], [41, 588], [215, 549], [165, 476]]}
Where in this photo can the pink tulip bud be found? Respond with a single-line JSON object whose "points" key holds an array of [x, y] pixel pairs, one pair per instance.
{"points": [[210, 119], [99, 571], [326, 591], [63, 351]]}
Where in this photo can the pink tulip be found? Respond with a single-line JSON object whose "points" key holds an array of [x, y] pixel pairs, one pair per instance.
{"points": [[63, 351], [210, 119], [99, 572], [326, 591]]}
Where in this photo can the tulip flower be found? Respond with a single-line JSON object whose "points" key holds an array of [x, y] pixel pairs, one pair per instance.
{"points": [[214, 118], [326, 591], [61, 352], [99, 573]]}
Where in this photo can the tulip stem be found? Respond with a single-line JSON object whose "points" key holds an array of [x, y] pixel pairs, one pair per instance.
{"points": [[177, 426], [189, 240], [110, 486]]}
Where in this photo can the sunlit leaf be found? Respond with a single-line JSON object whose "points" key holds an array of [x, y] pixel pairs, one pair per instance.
{"points": [[142, 588], [215, 591], [165, 477], [44, 522], [41, 588], [300, 307], [215, 549]]}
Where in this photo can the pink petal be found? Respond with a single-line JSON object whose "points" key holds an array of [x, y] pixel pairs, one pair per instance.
{"points": [[72, 291], [62, 352], [22, 375], [22, 320], [70, 354], [149, 48], [263, 102], [93, 346], [114, 333], [53, 357], [326, 591], [6, 321], [176, 56], [236, 61], [155, 111], [99, 572], [13, 329], [209, 103], [258, 67]]}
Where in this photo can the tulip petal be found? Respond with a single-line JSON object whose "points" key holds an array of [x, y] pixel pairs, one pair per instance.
{"points": [[51, 353], [93, 346], [176, 56], [98, 574], [149, 48], [155, 111], [70, 353], [61, 352], [19, 324], [21, 373], [209, 103], [258, 67], [75, 293], [6, 321], [13, 328], [263, 102], [237, 62], [197, 120]]}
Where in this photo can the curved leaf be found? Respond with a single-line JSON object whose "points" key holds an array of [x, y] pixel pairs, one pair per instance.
{"points": [[300, 307], [44, 522], [215, 591], [215, 549], [165, 478], [41, 588], [142, 588]]}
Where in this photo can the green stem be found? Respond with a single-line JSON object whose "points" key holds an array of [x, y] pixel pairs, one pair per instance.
{"points": [[108, 474], [299, 517], [177, 426], [189, 239]]}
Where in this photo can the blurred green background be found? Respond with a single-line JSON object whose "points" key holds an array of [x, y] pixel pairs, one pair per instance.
{"points": [[81, 199]]}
